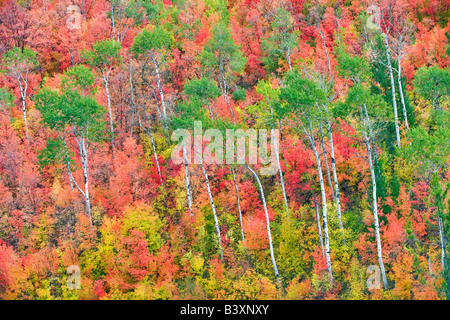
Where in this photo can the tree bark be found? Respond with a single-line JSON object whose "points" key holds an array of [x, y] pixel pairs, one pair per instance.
{"points": [[225, 85], [336, 181], [111, 124], [188, 186], [269, 235], [400, 90], [158, 78], [394, 101], [150, 132], [83, 148], [442, 241], [319, 228], [238, 203], [216, 221], [325, 158], [374, 198], [277, 155], [324, 201]]}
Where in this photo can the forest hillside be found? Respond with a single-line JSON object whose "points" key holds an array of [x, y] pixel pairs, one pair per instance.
{"points": [[224, 149]]}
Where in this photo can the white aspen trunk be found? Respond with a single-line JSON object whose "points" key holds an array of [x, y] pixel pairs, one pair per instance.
{"points": [[158, 78], [324, 204], [325, 158], [228, 98], [269, 235], [150, 131], [277, 155], [394, 101], [24, 110], [325, 48], [374, 200], [23, 94], [161, 117], [442, 241], [336, 181], [238, 203], [113, 25], [82, 145], [289, 59], [319, 228], [188, 186], [336, 194], [216, 221], [111, 124], [400, 90]]}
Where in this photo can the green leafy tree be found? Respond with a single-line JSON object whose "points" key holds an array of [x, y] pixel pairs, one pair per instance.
{"points": [[303, 97], [281, 42], [76, 117], [224, 58], [154, 46], [369, 111], [433, 84], [103, 57], [430, 150], [203, 89]]}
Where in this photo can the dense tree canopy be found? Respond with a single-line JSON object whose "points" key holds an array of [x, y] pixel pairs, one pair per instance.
{"points": [[197, 149]]}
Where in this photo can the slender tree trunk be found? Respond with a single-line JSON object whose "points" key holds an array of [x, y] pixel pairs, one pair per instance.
{"points": [[269, 235], [324, 202], [216, 221], [442, 241], [225, 85], [336, 194], [150, 132], [280, 171], [113, 25], [336, 181], [111, 124], [238, 203], [394, 101], [24, 110], [158, 78], [400, 90], [188, 186], [374, 200], [325, 49], [319, 228], [82, 145], [325, 158], [277, 155], [23, 94]]}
